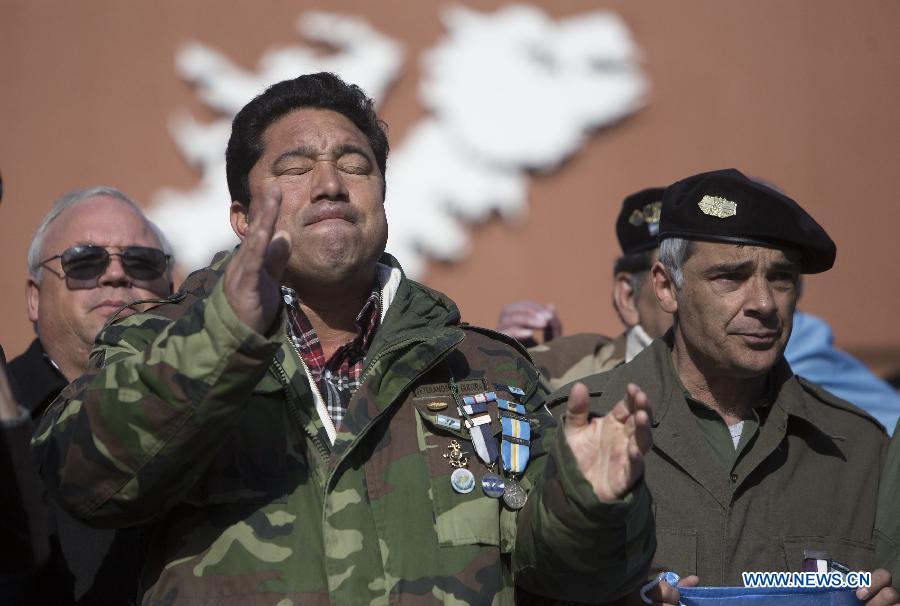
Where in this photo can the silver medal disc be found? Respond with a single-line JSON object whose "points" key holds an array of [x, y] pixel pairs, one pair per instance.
{"points": [[514, 495]]}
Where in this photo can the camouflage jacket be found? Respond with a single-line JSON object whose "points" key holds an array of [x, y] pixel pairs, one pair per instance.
{"points": [[571, 358], [191, 421]]}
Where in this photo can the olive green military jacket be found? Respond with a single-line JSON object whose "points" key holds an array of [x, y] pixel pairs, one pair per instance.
{"points": [[567, 359], [191, 421], [887, 523], [809, 481]]}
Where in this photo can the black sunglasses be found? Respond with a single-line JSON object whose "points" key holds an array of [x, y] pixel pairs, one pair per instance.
{"points": [[87, 263]]}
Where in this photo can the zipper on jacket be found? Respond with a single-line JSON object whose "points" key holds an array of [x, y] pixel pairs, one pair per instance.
{"points": [[295, 414], [312, 384]]}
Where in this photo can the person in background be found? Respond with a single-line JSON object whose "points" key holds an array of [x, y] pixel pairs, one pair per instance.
{"points": [[562, 359], [812, 355], [93, 253]]}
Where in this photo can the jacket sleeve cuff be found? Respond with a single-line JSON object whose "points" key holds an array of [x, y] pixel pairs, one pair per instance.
{"points": [[219, 313]]}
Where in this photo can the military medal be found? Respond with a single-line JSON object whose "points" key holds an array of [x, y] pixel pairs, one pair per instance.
{"points": [[493, 485], [478, 422], [456, 457], [515, 450], [462, 480], [514, 495]]}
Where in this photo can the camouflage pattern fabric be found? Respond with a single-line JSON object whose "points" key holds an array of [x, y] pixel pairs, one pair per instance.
{"points": [[190, 421], [567, 359]]}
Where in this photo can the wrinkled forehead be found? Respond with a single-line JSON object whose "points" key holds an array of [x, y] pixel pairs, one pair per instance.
{"points": [[706, 254], [102, 221]]}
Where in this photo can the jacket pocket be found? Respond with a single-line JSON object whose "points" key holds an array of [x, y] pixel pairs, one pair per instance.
{"points": [[855, 555], [676, 551], [459, 518]]}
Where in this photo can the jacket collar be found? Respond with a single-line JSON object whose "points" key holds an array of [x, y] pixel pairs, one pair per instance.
{"points": [[35, 379], [676, 434]]}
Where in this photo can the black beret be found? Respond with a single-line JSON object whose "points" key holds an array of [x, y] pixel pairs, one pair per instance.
{"points": [[638, 221], [727, 206]]}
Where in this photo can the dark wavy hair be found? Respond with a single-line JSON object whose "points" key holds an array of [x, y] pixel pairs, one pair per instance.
{"points": [[323, 91]]}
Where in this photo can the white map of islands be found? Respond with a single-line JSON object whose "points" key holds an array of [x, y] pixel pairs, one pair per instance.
{"points": [[508, 94]]}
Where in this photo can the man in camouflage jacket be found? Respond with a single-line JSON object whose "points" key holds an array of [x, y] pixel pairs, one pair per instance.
{"points": [[200, 416]]}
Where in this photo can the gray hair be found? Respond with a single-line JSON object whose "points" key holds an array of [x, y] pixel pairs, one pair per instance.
{"points": [[74, 198], [673, 252]]}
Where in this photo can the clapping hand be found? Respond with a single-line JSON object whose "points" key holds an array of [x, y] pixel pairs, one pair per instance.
{"points": [[609, 450]]}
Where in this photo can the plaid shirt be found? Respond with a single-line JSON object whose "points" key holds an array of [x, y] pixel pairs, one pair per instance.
{"points": [[338, 377]]}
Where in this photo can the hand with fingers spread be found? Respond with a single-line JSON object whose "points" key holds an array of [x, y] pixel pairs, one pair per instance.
{"points": [[520, 319], [609, 450], [253, 278]]}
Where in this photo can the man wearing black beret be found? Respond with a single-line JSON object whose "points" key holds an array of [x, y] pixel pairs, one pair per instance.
{"points": [[752, 468]]}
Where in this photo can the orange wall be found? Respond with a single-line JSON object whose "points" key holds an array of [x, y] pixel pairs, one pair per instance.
{"points": [[804, 94]]}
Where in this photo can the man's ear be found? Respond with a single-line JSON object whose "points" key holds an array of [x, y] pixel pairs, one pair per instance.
{"points": [[664, 288], [32, 299], [240, 219], [625, 299]]}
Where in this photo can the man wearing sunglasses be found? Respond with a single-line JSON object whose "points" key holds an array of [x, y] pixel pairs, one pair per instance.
{"points": [[93, 253]]}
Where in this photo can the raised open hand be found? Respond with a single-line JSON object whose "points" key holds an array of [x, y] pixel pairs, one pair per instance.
{"points": [[609, 450], [253, 278]]}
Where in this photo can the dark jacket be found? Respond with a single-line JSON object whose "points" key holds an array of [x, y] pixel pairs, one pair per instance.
{"points": [[887, 526], [809, 481], [87, 565], [35, 381]]}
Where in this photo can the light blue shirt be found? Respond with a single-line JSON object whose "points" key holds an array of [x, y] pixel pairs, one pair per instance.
{"points": [[813, 356]]}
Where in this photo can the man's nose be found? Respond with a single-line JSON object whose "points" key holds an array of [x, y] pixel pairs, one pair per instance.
{"points": [[115, 274], [327, 182], [760, 298]]}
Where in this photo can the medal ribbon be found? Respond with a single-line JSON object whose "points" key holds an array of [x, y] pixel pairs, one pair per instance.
{"points": [[515, 445], [478, 422]]}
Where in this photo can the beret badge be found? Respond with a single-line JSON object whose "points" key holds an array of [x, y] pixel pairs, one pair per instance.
{"points": [[649, 214], [717, 207]]}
